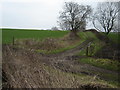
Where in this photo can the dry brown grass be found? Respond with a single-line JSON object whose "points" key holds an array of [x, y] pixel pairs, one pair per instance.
{"points": [[47, 44], [50, 44], [26, 69]]}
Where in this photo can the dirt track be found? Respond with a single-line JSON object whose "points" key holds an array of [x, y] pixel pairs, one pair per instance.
{"points": [[68, 61], [24, 68]]}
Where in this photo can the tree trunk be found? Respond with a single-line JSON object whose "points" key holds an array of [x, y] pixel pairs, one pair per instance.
{"points": [[107, 32], [73, 35]]}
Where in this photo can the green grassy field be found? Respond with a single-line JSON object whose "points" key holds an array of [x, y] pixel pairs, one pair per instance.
{"points": [[8, 34]]}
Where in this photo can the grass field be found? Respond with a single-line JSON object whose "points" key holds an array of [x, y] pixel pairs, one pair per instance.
{"points": [[8, 34]]}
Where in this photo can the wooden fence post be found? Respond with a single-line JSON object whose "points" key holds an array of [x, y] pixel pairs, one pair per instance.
{"points": [[87, 51], [13, 40]]}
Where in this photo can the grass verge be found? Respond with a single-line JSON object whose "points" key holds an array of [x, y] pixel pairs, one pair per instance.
{"points": [[95, 46], [79, 79], [83, 36], [102, 63], [58, 50]]}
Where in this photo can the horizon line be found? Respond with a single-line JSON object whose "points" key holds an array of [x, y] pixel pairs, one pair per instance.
{"points": [[23, 28]]}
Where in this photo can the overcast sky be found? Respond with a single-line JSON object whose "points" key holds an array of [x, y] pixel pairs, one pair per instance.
{"points": [[42, 14]]}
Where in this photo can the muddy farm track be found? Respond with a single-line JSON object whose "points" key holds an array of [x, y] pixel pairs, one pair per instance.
{"points": [[23, 68]]}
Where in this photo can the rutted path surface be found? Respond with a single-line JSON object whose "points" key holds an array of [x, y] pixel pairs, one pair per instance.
{"points": [[25, 66], [73, 51], [68, 61]]}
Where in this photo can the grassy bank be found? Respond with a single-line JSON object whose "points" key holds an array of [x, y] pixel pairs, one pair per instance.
{"points": [[115, 37], [94, 46], [62, 49], [69, 44], [102, 63], [78, 79]]}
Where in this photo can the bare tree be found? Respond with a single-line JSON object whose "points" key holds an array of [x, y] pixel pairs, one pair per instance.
{"points": [[73, 17], [64, 25], [106, 16], [54, 28]]}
